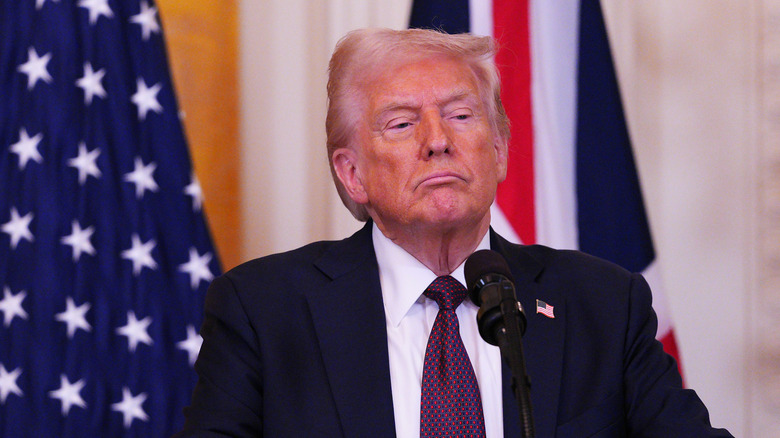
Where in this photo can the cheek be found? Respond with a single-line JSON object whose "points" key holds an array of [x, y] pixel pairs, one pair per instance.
{"points": [[485, 154], [379, 176], [389, 162]]}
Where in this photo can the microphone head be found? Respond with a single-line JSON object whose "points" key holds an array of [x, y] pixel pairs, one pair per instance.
{"points": [[482, 267], [490, 285], [483, 262]]}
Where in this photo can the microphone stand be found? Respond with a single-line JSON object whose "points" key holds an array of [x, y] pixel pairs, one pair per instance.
{"points": [[509, 336]]}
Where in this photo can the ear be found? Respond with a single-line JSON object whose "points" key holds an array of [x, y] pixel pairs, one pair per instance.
{"points": [[502, 151], [345, 165]]}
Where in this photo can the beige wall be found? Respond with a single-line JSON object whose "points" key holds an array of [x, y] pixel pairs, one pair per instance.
{"points": [[700, 113], [692, 79], [286, 45]]}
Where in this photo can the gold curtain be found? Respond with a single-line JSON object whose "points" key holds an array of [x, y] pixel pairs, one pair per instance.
{"points": [[202, 49]]}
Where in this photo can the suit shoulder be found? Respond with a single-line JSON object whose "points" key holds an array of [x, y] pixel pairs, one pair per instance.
{"points": [[279, 264], [308, 264], [572, 260], [578, 275]]}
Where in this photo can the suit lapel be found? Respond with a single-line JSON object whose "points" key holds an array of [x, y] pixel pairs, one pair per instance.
{"points": [[542, 343], [349, 320], [348, 317]]}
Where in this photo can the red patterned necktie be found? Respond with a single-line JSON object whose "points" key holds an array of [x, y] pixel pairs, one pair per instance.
{"points": [[451, 405]]}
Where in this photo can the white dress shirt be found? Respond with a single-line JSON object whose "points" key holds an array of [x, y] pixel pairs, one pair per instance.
{"points": [[409, 317]]}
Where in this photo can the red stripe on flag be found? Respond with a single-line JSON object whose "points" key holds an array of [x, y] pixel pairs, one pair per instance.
{"points": [[515, 196], [670, 347]]}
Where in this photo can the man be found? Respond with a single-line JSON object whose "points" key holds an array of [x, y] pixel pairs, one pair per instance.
{"points": [[359, 337]]}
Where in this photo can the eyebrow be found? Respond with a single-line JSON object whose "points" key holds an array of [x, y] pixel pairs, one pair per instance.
{"points": [[460, 94]]}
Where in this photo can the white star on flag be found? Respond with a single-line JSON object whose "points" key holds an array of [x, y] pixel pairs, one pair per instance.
{"points": [[35, 68], [86, 163], [75, 317], [146, 18], [135, 331], [140, 254], [130, 407], [79, 240], [91, 83], [146, 98], [18, 227], [11, 306], [39, 3], [27, 148], [141, 176], [8, 383], [69, 394], [192, 344], [193, 189], [96, 9], [197, 267]]}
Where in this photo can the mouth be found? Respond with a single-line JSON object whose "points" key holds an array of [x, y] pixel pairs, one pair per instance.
{"points": [[440, 178]]}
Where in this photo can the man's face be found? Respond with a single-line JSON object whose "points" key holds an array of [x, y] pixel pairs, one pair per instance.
{"points": [[425, 154]]}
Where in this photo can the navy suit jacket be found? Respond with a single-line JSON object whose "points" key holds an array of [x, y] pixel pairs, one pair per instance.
{"points": [[295, 345]]}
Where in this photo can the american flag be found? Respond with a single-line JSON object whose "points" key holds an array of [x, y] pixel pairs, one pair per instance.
{"points": [[545, 309], [104, 251]]}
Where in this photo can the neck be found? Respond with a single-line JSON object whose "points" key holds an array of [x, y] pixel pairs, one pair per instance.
{"points": [[440, 248]]}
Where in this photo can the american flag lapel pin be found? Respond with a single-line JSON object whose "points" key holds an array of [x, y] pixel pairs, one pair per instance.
{"points": [[545, 309]]}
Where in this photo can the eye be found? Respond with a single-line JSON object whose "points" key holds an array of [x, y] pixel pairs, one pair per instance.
{"points": [[398, 128], [462, 115], [400, 125]]}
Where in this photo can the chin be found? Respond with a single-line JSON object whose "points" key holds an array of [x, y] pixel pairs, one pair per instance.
{"points": [[452, 218], [449, 211]]}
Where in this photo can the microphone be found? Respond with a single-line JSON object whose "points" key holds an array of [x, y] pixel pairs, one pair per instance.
{"points": [[491, 287], [501, 322]]}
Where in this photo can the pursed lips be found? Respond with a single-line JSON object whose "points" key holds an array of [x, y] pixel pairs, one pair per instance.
{"points": [[440, 178]]}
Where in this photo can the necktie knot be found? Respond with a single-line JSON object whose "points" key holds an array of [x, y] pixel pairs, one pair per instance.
{"points": [[446, 291]]}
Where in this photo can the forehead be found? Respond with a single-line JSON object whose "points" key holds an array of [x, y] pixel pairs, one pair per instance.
{"points": [[418, 81]]}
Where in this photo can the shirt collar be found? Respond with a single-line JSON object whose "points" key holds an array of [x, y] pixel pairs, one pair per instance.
{"points": [[403, 278]]}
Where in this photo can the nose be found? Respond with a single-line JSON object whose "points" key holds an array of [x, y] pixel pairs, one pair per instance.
{"points": [[436, 139]]}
